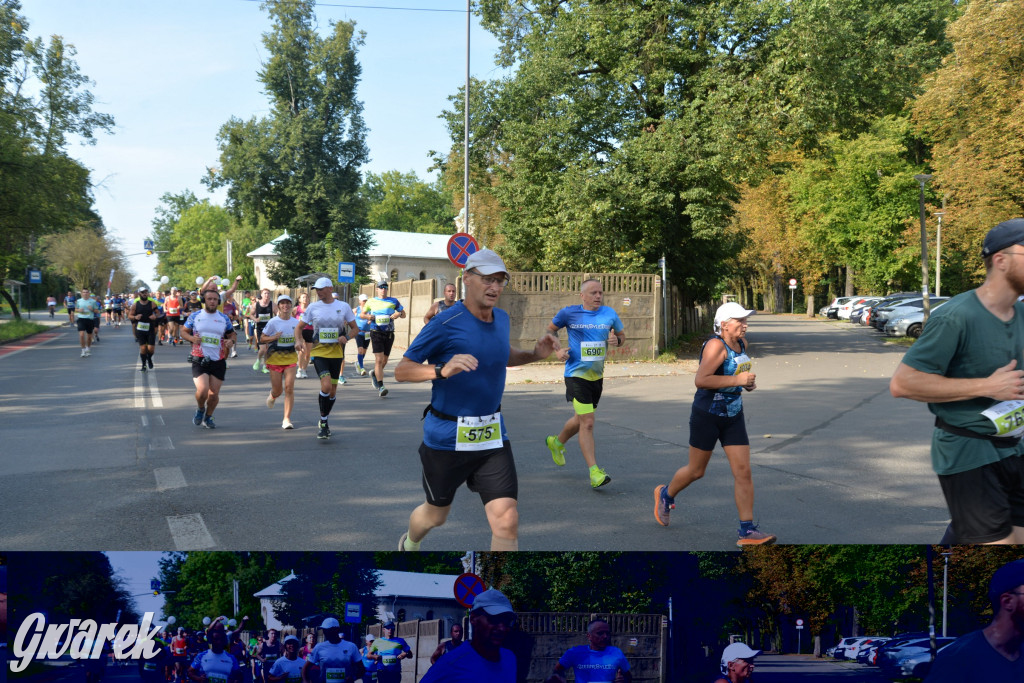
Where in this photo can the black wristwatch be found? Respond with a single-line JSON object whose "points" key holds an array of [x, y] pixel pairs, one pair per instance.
{"points": [[437, 371]]}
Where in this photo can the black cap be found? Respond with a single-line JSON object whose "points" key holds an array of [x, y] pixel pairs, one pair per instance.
{"points": [[1004, 235]]}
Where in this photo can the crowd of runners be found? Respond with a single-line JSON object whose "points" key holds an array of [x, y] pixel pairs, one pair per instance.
{"points": [[463, 349]]}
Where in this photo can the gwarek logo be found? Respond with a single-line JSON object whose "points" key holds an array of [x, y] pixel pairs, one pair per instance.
{"points": [[82, 639]]}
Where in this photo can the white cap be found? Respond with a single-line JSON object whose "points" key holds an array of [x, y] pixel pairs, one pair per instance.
{"points": [[492, 601], [330, 622], [486, 262], [323, 282], [284, 297], [736, 651], [370, 638], [729, 311], [363, 297]]}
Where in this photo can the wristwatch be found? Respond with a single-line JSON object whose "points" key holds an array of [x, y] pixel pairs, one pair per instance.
{"points": [[437, 371]]}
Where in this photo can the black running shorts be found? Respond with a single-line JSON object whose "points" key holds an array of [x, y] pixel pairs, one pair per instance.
{"points": [[585, 391], [707, 429], [327, 366], [85, 325], [214, 368], [382, 341], [362, 340], [147, 338], [491, 474], [987, 502]]}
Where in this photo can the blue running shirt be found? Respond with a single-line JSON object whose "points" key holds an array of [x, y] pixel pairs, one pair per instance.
{"points": [[381, 308], [465, 394], [588, 339], [594, 666], [336, 660]]}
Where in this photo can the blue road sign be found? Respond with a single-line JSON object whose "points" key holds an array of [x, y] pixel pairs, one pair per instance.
{"points": [[467, 587], [35, 276], [147, 245], [353, 613], [346, 272]]}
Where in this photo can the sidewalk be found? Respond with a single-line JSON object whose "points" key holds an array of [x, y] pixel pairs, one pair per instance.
{"points": [[41, 317]]}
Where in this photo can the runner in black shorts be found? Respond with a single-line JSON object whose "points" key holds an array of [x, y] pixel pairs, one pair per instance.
{"points": [[466, 349], [381, 311], [145, 315], [211, 335], [717, 416]]}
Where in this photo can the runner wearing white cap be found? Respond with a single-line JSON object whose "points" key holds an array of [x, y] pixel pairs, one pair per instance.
{"points": [[717, 416], [333, 324], [362, 336], [737, 663], [338, 660], [287, 669]]}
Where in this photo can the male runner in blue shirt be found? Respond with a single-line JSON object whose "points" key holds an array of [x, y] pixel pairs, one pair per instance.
{"points": [[591, 327], [466, 348], [596, 662]]}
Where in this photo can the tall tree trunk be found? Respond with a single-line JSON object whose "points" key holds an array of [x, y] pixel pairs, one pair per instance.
{"points": [[849, 281], [10, 300]]}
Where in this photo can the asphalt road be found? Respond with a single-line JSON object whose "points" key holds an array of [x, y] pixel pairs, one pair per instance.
{"points": [[98, 456]]}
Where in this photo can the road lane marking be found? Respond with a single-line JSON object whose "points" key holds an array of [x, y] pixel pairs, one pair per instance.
{"points": [[169, 478], [161, 443], [145, 421], [154, 391], [140, 396], [189, 532]]}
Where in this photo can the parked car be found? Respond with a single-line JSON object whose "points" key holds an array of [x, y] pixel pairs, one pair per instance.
{"points": [[851, 648], [909, 323], [840, 648], [847, 308], [857, 312], [882, 314], [866, 651], [868, 317], [890, 660], [833, 308], [917, 665]]}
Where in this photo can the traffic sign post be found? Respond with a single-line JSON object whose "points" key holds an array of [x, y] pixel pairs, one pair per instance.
{"points": [[792, 288], [353, 613], [461, 246], [799, 631], [467, 587], [346, 272]]}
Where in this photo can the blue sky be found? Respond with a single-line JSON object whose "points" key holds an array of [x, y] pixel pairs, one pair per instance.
{"points": [[172, 72], [136, 568]]}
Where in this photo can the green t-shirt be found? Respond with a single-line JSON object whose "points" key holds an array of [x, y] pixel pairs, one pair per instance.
{"points": [[964, 339]]}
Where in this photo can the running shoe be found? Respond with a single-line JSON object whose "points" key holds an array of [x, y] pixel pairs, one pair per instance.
{"points": [[270, 400], [557, 450], [383, 391], [256, 366], [265, 371], [401, 542], [341, 380], [599, 478], [663, 504], [197, 419], [754, 537], [362, 372], [83, 353], [374, 382], [150, 362], [325, 431], [299, 374], [88, 352], [234, 354], [208, 422], [160, 342], [143, 368], [287, 424]]}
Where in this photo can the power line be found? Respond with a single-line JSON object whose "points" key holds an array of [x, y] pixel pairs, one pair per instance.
{"points": [[401, 9]]}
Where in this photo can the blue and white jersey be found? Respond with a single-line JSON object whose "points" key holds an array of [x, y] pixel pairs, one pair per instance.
{"points": [[588, 338], [465, 394], [292, 668], [218, 668], [211, 328], [727, 401], [337, 661]]}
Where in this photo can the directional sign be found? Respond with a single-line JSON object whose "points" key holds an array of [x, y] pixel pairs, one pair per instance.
{"points": [[467, 587], [147, 245], [346, 272], [35, 276], [460, 246], [353, 612]]}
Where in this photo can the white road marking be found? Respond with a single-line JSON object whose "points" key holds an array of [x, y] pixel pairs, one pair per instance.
{"points": [[169, 478], [145, 421], [155, 391], [159, 420], [161, 443], [140, 396], [189, 532]]}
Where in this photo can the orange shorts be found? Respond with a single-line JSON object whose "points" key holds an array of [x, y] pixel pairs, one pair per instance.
{"points": [[280, 368]]}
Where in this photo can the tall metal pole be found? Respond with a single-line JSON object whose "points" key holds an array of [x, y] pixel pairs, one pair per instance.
{"points": [[923, 178], [945, 582], [465, 144]]}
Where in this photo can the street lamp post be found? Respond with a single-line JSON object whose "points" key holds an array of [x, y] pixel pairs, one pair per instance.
{"points": [[923, 178], [945, 582]]}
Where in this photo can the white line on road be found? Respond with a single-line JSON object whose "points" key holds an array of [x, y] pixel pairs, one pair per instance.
{"points": [[145, 421], [155, 391], [189, 532], [140, 396], [169, 478], [159, 420]]}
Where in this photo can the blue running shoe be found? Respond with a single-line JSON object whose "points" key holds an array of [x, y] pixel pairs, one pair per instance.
{"points": [[197, 419]]}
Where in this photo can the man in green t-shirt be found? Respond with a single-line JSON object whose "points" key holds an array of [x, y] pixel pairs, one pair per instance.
{"points": [[968, 365]]}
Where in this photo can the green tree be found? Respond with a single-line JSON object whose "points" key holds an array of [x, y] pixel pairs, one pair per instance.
{"points": [[297, 170], [86, 258], [403, 202], [65, 586], [972, 111], [198, 585], [324, 582], [43, 100]]}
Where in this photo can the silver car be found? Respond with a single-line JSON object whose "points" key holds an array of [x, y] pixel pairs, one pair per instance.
{"points": [[909, 321]]}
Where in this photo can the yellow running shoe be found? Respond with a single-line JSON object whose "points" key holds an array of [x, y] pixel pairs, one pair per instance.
{"points": [[557, 450], [598, 477]]}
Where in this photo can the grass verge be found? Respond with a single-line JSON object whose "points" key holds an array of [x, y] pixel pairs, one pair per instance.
{"points": [[12, 330]]}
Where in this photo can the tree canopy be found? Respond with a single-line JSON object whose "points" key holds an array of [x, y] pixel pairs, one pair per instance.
{"points": [[298, 169]]}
